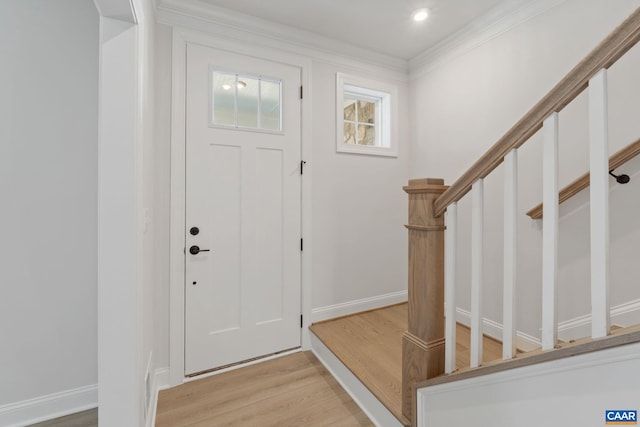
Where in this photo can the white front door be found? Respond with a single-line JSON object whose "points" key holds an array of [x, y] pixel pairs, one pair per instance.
{"points": [[242, 231]]}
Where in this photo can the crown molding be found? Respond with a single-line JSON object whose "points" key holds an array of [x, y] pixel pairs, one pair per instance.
{"points": [[481, 30], [224, 23]]}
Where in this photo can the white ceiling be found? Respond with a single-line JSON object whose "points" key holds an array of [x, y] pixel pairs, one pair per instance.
{"points": [[383, 26]]}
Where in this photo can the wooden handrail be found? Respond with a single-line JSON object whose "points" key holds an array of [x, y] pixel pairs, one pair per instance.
{"points": [[615, 161], [623, 38]]}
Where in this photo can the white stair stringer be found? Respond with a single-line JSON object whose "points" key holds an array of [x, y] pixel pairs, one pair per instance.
{"points": [[572, 391], [376, 411]]}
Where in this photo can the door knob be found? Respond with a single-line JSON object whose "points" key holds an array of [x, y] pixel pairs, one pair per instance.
{"points": [[195, 250]]}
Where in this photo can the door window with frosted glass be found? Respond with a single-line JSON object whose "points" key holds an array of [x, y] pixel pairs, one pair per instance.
{"points": [[246, 102]]}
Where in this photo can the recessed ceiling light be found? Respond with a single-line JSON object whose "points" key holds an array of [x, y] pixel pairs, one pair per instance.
{"points": [[420, 15]]}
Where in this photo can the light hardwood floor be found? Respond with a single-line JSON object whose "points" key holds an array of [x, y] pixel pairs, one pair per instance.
{"points": [[370, 345], [81, 419], [294, 390]]}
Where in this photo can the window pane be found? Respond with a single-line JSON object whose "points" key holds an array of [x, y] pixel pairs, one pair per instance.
{"points": [[366, 134], [224, 96], [350, 110], [270, 106], [366, 112], [248, 102], [349, 133]]}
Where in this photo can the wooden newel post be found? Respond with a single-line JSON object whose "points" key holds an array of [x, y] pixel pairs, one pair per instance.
{"points": [[423, 343]]}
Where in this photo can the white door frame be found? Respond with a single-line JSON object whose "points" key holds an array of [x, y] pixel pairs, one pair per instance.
{"points": [[178, 130], [119, 251]]}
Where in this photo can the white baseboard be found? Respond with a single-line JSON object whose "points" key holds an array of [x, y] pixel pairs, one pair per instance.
{"points": [[369, 404], [346, 308], [160, 382], [493, 329], [49, 407], [626, 314]]}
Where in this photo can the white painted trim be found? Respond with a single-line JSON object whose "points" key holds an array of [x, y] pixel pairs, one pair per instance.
{"points": [[524, 342], [176, 292], [387, 110], [510, 254], [483, 29], [49, 407], [599, 206], [122, 10], [160, 382], [625, 314], [597, 358], [477, 271], [177, 215], [357, 306], [369, 404], [237, 26], [550, 227], [120, 359], [450, 263]]}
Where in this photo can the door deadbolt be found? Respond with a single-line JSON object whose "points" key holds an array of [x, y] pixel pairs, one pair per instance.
{"points": [[195, 250], [194, 231]]}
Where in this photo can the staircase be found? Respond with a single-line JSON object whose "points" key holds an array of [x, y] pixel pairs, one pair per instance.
{"points": [[431, 348]]}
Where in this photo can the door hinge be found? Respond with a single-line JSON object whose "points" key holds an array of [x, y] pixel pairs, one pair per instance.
{"points": [[301, 321], [301, 92], [301, 244], [302, 163]]}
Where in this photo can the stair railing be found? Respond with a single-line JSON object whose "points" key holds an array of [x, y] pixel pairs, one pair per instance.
{"points": [[429, 344]]}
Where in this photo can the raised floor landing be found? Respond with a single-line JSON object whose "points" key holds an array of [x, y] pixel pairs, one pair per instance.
{"points": [[370, 345]]}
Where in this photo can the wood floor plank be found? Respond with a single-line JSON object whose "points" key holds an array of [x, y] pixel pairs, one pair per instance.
{"points": [[292, 391]]}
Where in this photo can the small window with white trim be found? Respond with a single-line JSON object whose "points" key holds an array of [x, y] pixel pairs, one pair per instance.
{"points": [[365, 118]]}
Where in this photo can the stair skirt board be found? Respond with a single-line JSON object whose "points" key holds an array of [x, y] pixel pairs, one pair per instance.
{"points": [[371, 406], [573, 391], [49, 407]]}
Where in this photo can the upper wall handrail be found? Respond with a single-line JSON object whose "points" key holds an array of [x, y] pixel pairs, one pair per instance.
{"points": [[615, 161], [616, 44]]}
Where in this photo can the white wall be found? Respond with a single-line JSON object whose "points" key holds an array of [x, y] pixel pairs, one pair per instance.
{"points": [[48, 188], [575, 391], [162, 195], [359, 209], [462, 106]]}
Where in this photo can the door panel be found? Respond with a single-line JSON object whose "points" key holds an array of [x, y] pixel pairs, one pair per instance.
{"points": [[243, 193]]}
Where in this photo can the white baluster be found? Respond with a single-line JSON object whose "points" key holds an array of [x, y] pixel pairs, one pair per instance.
{"points": [[477, 253], [510, 256], [550, 232], [451, 221], [599, 192]]}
